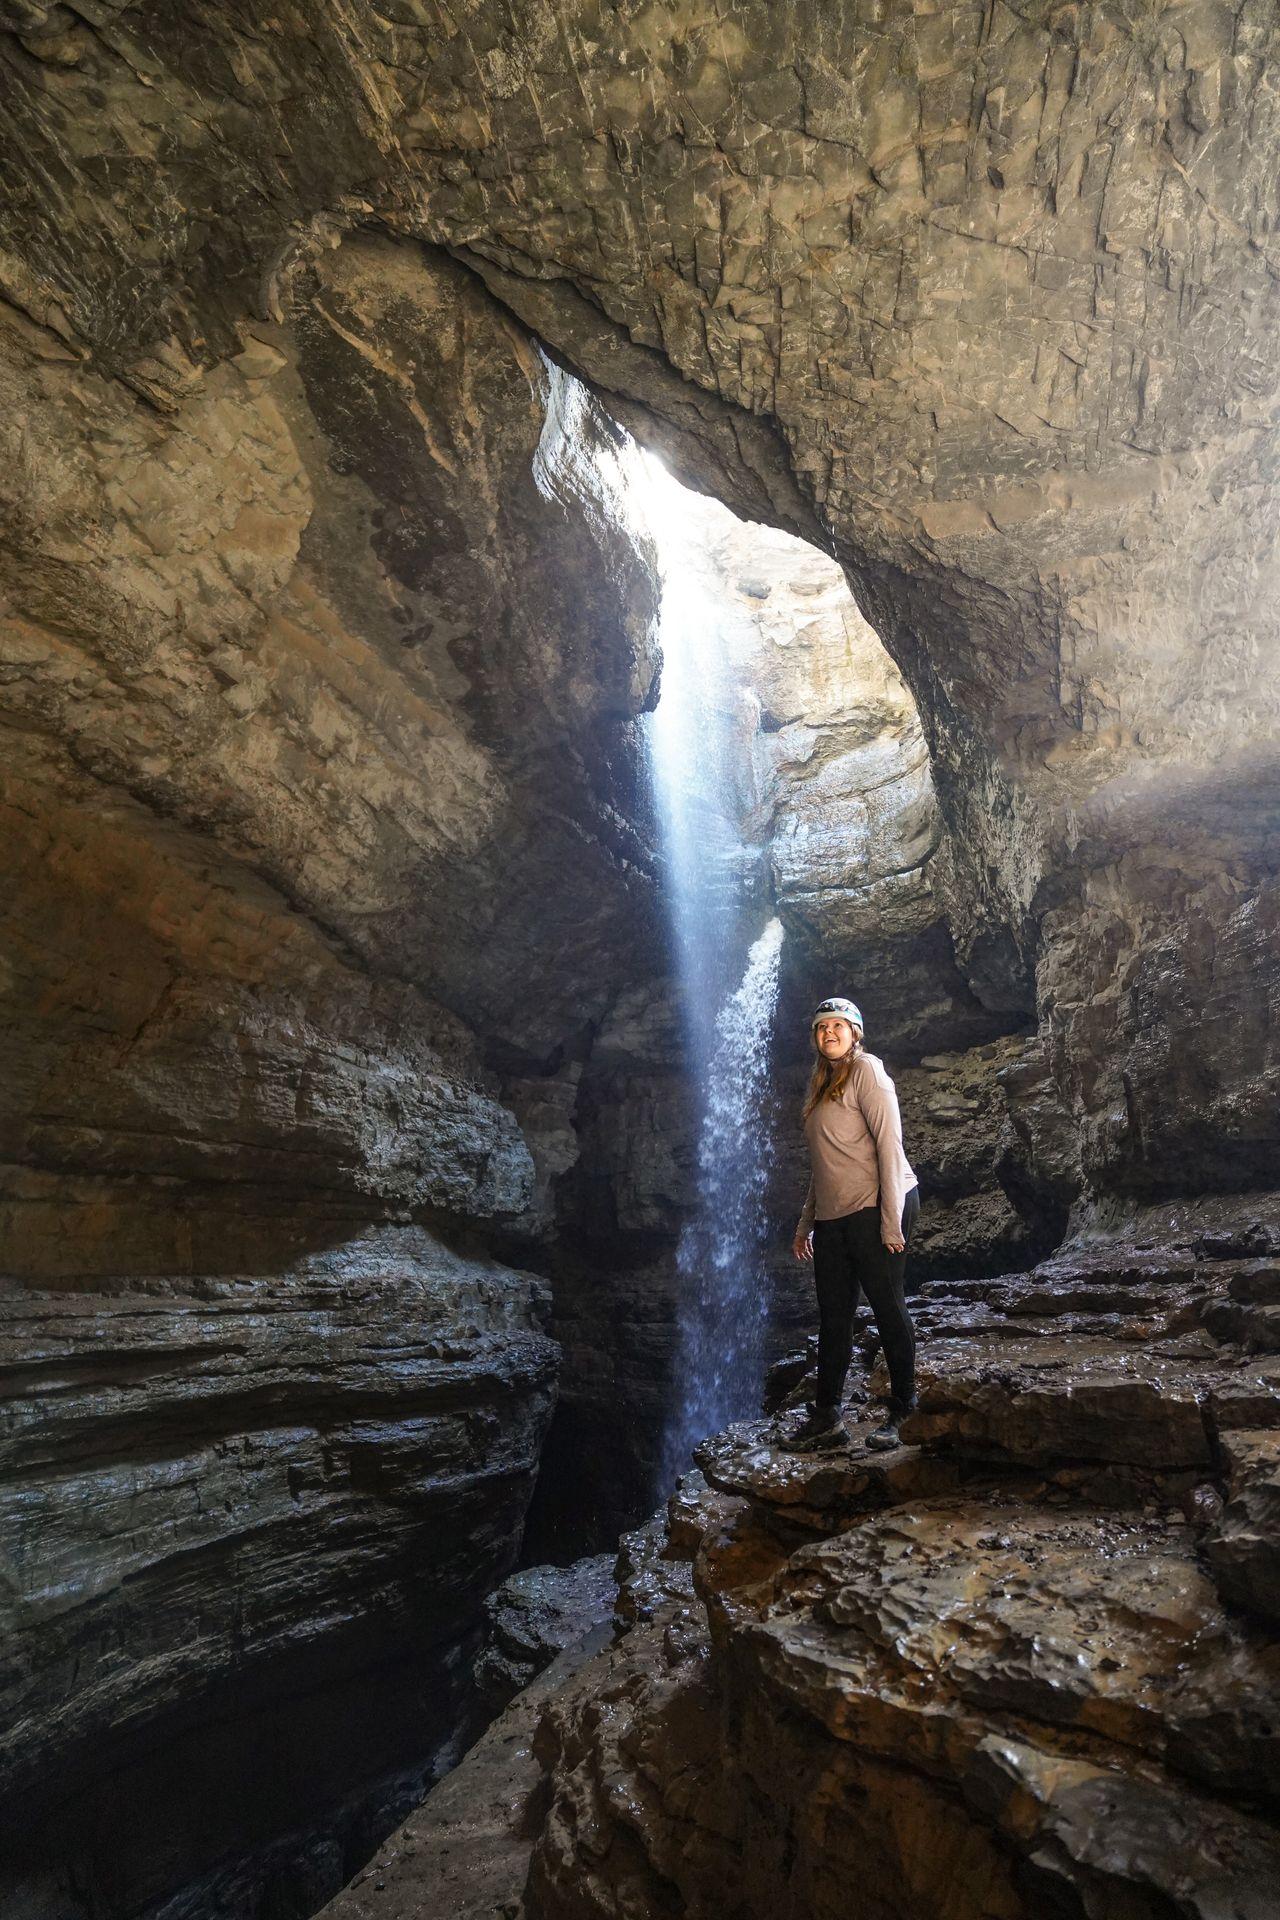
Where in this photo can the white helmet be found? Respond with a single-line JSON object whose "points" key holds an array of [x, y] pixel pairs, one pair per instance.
{"points": [[838, 1010]]}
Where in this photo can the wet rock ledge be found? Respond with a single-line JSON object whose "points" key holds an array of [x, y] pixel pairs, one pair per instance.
{"points": [[1025, 1665]]}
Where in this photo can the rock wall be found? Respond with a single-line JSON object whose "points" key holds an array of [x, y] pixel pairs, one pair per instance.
{"points": [[196, 1077], [983, 300], [324, 611], [317, 668], [978, 301], [1023, 1664], [1000, 289], [859, 859], [249, 1525]]}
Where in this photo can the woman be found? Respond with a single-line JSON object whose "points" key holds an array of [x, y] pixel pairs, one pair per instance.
{"points": [[858, 1215]]}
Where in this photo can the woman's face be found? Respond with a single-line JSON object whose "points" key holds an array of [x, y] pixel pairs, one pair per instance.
{"points": [[833, 1037]]}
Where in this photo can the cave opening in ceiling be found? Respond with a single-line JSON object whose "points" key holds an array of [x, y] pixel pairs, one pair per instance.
{"points": [[791, 795]]}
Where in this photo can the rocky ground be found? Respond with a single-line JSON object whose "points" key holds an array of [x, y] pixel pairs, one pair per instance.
{"points": [[1025, 1664]]}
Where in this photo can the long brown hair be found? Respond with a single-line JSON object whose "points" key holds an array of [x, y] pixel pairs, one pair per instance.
{"points": [[830, 1077]]}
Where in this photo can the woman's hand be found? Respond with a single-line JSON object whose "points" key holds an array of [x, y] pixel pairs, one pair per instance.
{"points": [[802, 1246], [895, 1246]]}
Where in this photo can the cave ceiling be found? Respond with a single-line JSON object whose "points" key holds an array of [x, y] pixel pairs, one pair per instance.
{"points": [[980, 297]]}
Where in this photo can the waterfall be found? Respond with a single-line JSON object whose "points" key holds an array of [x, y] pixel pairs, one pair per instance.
{"points": [[727, 946], [727, 979], [723, 1296]]}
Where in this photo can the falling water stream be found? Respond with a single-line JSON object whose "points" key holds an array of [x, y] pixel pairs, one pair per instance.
{"points": [[723, 1298], [727, 945], [728, 949]]}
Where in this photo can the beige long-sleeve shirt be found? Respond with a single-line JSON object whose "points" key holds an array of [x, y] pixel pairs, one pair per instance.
{"points": [[856, 1152]]}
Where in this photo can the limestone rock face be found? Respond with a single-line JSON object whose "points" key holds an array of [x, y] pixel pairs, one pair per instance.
{"points": [[982, 301], [323, 651], [988, 1672], [217, 1500], [836, 784], [918, 256], [327, 611], [827, 793], [1242, 1549], [195, 1073], [323, 646], [1163, 996]]}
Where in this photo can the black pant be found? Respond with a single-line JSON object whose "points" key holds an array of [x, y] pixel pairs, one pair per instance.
{"points": [[848, 1256]]}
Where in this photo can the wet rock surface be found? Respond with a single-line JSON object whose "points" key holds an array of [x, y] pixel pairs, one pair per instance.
{"points": [[1242, 1547], [1023, 1664], [465, 1852], [533, 1617], [467, 1849]]}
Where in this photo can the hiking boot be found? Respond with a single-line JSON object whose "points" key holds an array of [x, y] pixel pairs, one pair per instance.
{"points": [[886, 1436], [821, 1427]]}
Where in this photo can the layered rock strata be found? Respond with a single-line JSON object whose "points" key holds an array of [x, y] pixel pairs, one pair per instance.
{"points": [[325, 611], [533, 1617], [229, 1514], [316, 668], [982, 299], [197, 1077]]}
